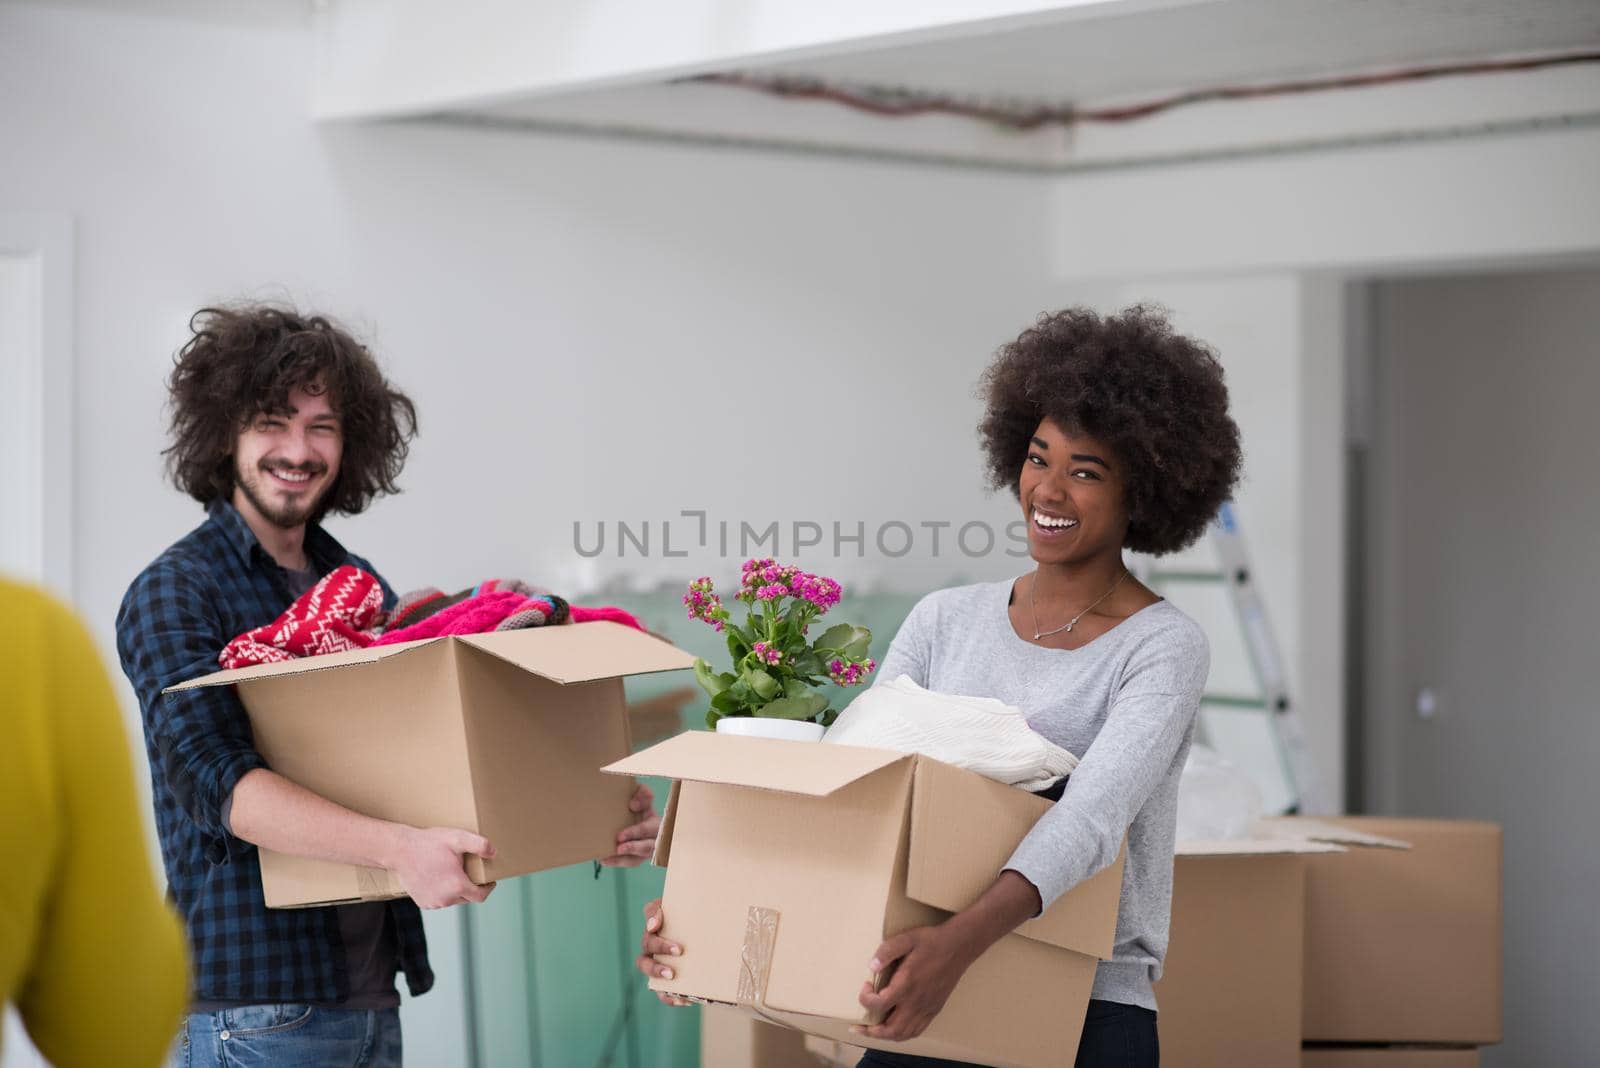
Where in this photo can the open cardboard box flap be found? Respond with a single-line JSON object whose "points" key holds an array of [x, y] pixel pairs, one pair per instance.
{"points": [[813, 769], [1251, 847], [301, 665], [964, 828], [1310, 830], [1287, 834], [582, 652], [574, 652]]}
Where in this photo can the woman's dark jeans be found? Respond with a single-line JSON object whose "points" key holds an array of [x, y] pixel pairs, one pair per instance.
{"points": [[1114, 1036]]}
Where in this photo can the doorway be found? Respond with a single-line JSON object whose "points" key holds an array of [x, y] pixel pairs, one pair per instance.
{"points": [[1476, 551]]}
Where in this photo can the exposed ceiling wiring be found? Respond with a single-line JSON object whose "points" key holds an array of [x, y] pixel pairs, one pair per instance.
{"points": [[902, 103]]}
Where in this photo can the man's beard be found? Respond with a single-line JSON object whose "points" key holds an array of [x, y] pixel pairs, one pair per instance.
{"points": [[286, 516]]}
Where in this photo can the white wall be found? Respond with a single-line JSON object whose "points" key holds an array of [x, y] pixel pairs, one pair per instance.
{"points": [[582, 322], [592, 332], [1280, 338], [36, 404], [1412, 205]]}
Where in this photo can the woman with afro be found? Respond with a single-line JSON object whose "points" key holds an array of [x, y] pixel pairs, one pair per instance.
{"points": [[1113, 433]]}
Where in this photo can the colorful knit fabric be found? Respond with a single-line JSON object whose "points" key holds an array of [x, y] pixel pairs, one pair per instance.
{"points": [[344, 611], [418, 605], [479, 613], [587, 614], [339, 613]]}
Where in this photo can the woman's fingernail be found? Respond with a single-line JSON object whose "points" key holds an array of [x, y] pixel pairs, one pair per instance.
{"points": [[874, 966], [676, 951], [666, 973]]}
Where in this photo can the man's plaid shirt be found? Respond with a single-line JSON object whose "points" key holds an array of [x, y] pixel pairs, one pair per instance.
{"points": [[216, 583]]}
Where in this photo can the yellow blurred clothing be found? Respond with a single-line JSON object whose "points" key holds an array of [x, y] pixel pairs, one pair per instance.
{"points": [[89, 952]]}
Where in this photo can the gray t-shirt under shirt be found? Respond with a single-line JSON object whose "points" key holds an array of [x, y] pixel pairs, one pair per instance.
{"points": [[1125, 704]]}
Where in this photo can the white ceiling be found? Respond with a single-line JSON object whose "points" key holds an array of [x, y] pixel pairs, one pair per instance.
{"points": [[622, 70], [1213, 44]]}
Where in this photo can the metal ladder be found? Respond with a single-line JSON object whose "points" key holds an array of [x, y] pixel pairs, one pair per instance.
{"points": [[1235, 575]]}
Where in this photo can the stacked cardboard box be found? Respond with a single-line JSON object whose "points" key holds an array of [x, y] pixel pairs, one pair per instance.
{"points": [[1231, 990], [1400, 949], [1403, 947], [1389, 1057], [502, 734], [733, 1038]]}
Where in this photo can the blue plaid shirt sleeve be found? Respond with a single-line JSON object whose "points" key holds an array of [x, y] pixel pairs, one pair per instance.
{"points": [[168, 632]]}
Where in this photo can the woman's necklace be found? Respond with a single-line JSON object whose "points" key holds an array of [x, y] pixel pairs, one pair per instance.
{"points": [[1073, 622]]}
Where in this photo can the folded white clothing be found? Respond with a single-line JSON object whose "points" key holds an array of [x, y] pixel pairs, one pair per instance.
{"points": [[981, 734]]}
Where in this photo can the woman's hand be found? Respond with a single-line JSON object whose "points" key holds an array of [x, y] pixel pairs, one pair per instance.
{"points": [[651, 946], [636, 843], [925, 964]]}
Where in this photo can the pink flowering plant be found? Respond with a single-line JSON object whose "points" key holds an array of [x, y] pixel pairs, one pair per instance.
{"points": [[776, 666]]}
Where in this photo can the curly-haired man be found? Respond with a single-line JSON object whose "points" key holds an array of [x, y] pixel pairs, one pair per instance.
{"points": [[278, 418]]}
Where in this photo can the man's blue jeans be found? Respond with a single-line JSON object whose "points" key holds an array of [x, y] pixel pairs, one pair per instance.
{"points": [[289, 1036]]}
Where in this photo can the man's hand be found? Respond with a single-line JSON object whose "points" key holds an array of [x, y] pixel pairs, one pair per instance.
{"points": [[636, 843], [925, 963], [431, 867], [651, 946]]}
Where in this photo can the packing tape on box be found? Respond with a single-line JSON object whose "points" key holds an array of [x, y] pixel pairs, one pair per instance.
{"points": [[375, 881], [755, 958]]}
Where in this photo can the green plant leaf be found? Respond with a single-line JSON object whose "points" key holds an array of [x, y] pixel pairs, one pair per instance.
{"points": [[808, 663], [764, 685], [725, 703], [795, 688], [711, 682], [817, 703], [857, 648], [835, 636], [741, 693], [828, 716], [712, 715], [788, 708]]}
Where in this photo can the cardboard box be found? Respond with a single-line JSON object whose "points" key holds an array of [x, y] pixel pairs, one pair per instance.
{"points": [[1230, 991], [1399, 1057], [502, 734], [731, 1038], [788, 863], [1232, 987], [831, 1053], [1405, 946]]}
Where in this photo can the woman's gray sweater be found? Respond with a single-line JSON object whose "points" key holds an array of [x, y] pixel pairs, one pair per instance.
{"points": [[1125, 705]]}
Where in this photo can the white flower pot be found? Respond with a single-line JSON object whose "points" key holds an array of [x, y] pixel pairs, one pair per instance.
{"points": [[794, 730]]}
